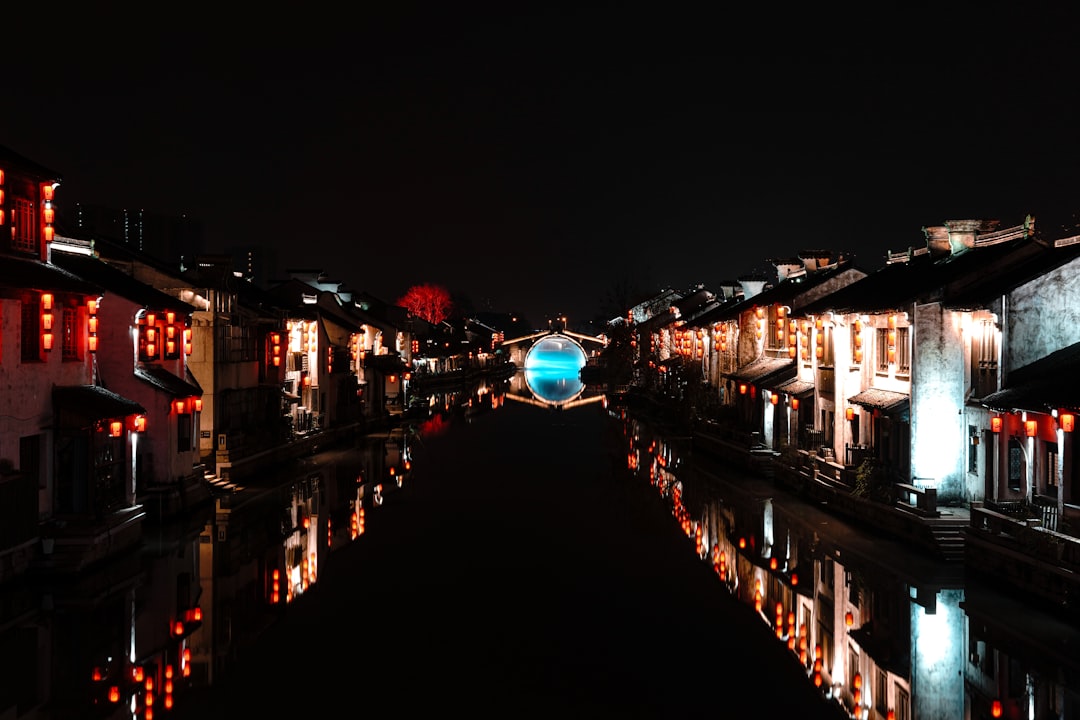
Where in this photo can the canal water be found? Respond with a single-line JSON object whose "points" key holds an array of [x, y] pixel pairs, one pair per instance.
{"points": [[512, 552]]}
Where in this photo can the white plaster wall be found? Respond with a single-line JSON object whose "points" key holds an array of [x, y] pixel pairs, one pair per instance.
{"points": [[1041, 316], [937, 402], [26, 393]]}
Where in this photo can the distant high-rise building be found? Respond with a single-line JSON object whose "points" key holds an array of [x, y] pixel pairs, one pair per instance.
{"points": [[170, 238]]}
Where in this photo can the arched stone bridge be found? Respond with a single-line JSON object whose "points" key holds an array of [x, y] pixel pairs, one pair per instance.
{"points": [[518, 348]]}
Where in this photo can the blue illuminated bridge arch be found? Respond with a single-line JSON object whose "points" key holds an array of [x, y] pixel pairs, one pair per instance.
{"points": [[552, 363]]}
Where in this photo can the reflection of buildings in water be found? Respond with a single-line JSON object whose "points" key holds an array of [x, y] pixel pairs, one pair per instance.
{"points": [[876, 627]]}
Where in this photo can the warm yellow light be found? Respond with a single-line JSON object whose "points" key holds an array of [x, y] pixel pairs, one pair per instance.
{"points": [[1066, 420]]}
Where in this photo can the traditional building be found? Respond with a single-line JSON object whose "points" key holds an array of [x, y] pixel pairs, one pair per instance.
{"points": [[67, 436]]}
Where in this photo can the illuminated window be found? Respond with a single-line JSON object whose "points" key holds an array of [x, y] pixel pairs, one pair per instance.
{"points": [[69, 334], [984, 358], [24, 225], [903, 351], [826, 334], [881, 348], [1016, 464]]}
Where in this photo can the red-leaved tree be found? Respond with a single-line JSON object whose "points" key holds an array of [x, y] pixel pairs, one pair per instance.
{"points": [[427, 301]]}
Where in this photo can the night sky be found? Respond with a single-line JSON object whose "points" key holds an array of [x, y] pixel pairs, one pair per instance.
{"points": [[545, 160]]}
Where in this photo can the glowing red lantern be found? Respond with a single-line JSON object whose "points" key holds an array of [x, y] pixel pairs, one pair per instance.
{"points": [[742, 388], [774, 398], [849, 413], [995, 708], [1030, 428], [794, 403], [849, 619], [995, 423], [1066, 420]]}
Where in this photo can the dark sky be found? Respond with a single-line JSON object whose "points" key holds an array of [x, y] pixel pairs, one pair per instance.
{"points": [[539, 160]]}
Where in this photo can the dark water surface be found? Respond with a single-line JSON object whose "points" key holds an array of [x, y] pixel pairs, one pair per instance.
{"points": [[519, 571]]}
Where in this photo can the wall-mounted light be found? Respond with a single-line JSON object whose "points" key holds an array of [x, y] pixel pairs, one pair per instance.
{"points": [[1030, 428], [1066, 421], [995, 423]]}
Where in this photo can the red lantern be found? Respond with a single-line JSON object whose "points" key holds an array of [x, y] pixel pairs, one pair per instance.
{"points": [[115, 428], [1066, 420], [774, 398], [995, 709], [995, 423], [794, 403], [742, 388], [1030, 428], [849, 413]]}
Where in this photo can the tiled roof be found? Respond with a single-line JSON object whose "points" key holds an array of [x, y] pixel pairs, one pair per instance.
{"points": [[80, 406], [764, 370], [794, 387], [1048, 383], [784, 292], [113, 280], [164, 380], [35, 275], [885, 400], [967, 279]]}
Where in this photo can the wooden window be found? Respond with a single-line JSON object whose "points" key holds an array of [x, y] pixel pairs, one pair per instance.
{"points": [[70, 334], [903, 704], [24, 226], [1016, 464], [903, 351], [881, 687], [881, 350]]}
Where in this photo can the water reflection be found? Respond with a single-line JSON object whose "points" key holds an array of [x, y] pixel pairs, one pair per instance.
{"points": [[886, 633], [133, 637]]}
